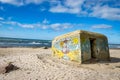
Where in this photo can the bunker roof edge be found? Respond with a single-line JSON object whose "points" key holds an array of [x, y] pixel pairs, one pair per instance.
{"points": [[80, 32]]}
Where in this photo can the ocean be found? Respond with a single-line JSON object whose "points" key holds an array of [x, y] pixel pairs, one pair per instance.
{"points": [[19, 42]]}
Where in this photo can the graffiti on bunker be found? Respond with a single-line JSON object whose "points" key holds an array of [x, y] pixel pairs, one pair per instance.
{"points": [[67, 48], [81, 46]]}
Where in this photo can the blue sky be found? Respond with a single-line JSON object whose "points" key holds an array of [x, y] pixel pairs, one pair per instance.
{"points": [[46, 19]]}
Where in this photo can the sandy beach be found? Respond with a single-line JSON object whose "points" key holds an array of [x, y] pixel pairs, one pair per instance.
{"points": [[38, 64]]}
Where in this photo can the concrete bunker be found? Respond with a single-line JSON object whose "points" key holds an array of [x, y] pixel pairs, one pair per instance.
{"points": [[81, 46]]}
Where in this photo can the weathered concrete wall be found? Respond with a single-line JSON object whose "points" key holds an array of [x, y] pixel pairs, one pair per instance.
{"points": [[101, 50], [85, 48], [80, 46], [67, 47]]}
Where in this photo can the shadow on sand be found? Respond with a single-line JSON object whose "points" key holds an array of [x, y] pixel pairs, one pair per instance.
{"points": [[112, 60]]}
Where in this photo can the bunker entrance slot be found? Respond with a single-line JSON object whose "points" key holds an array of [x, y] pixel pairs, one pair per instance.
{"points": [[93, 47]]}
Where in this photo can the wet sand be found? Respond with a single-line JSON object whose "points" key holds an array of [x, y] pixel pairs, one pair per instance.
{"points": [[38, 64]]}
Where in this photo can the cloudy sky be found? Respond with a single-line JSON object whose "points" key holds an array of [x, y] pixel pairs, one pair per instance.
{"points": [[46, 19]]}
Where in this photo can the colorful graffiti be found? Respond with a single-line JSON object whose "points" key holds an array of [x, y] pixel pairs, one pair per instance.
{"points": [[81, 46], [67, 49]]}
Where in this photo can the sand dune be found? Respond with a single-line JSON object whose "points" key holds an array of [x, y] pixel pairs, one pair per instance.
{"points": [[38, 64]]}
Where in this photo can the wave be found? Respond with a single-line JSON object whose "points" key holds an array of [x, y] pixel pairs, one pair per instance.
{"points": [[117, 46], [34, 43], [16, 42]]}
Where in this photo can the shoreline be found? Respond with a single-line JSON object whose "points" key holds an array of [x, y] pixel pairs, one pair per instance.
{"points": [[27, 47], [35, 47]]}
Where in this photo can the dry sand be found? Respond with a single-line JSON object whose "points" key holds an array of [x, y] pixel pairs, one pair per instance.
{"points": [[38, 64]]}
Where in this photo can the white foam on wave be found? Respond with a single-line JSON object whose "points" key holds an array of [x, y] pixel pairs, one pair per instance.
{"points": [[35, 43]]}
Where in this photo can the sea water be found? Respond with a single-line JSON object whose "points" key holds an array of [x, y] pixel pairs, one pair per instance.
{"points": [[18, 42]]}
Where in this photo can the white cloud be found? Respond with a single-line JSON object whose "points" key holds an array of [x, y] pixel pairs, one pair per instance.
{"points": [[34, 1], [45, 21], [13, 2], [102, 26], [26, 25], [69, 6], [63, 9], [90, 8], [1, 18], [56, 26], [43, 25], [93, 8], [106, 12], [74, 3], [43, 9], [61, 26], [58, 9], [13, 23], [21, 2]]}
